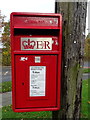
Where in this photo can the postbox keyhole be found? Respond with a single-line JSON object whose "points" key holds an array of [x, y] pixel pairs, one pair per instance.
{"points": [[22, 83]]}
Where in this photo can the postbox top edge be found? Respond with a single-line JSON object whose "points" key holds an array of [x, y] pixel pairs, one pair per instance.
{"points": [[36, 14]]}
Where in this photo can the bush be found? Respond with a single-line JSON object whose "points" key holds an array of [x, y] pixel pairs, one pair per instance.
{"points": [[6, 57], [87, 49], [5, 86]]}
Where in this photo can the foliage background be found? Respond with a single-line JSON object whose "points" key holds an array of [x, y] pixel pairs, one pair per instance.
{"points": [[87, 48], [6, 51]]}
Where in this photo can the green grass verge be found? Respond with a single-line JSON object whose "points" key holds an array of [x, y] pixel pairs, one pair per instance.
{"points": [[85, 106], [86, 70], [8, 113], [5, 86]]}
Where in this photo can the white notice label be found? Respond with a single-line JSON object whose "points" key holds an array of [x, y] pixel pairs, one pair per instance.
{"points": [[37, 80]]}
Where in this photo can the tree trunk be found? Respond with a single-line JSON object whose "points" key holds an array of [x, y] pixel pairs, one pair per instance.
{"points": [[74, 18]]}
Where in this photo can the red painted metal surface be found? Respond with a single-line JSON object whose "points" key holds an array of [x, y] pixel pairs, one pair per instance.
{"points": [[23, 100], [35, 21], [24, 28]]}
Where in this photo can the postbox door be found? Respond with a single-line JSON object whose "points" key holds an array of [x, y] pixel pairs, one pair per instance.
{"points": [[35, 81]]}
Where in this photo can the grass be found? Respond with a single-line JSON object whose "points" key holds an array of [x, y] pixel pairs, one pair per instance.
{"points": [[5, 86], [86, 70], [8, 113], [85, 106]]}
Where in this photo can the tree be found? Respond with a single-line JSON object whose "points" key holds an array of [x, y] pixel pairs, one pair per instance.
{"points": [[6, 34], [1, 20], [87, 47], [6, 56], [88, 36], [74, 18]]}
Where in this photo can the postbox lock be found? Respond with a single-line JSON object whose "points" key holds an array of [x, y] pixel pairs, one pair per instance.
{"points": [[22, 83]]}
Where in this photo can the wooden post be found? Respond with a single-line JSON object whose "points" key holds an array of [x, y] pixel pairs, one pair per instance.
{"points": [[74, 21]]}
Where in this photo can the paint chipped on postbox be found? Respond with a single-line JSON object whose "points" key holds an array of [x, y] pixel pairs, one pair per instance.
{"points": [[36, 43]]}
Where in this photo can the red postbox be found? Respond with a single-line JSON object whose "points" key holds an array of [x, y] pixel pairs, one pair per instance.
{"points": [[36, 47]]}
